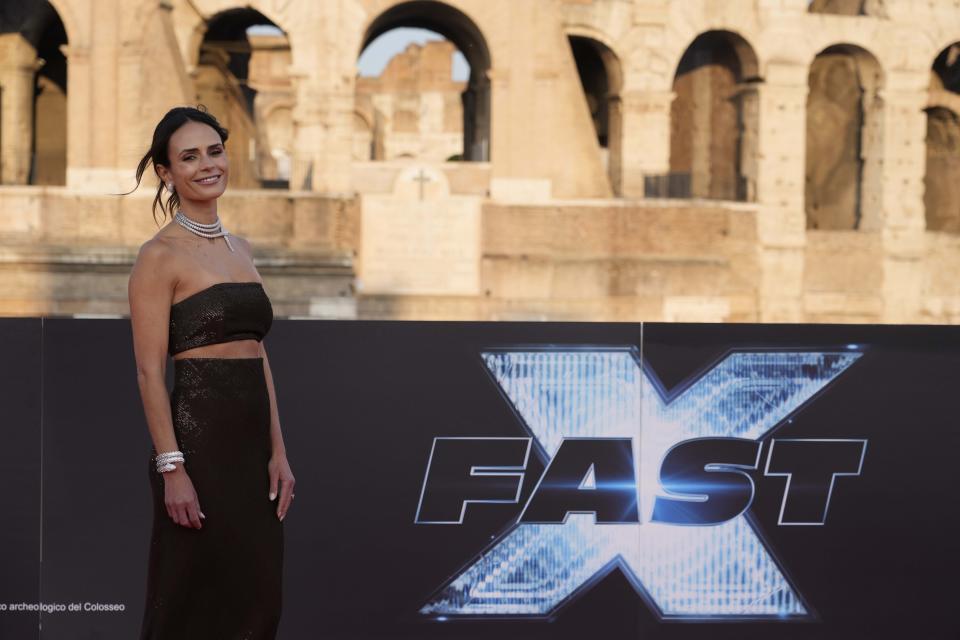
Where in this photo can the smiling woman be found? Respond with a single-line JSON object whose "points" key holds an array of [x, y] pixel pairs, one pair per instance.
{"points": [[202, 301], [177, 160]]}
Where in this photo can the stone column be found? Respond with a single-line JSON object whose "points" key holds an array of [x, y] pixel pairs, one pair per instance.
{"points": [[903, 219], [323, 127], [135, 131], [646, 138], [780, 191], [749, 160], [18, 67], [701, 169], [615, 143], [102, 80]]}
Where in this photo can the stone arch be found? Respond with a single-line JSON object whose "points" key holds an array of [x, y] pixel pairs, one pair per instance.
{"points": [[364, 136], [941, 196], [714, 120], [71, 27], [463, 32], [239, 77], [275, 135], [268, 110], [601, 77], [844, 139], [599, 36], [33, 86], [226, 32], [207, 12]]}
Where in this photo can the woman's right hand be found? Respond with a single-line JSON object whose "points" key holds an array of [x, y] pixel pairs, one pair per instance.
{"points": [[181, 498]]}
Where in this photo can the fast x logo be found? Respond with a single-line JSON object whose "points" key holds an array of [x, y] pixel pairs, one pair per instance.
{"points": [[656, 484]]}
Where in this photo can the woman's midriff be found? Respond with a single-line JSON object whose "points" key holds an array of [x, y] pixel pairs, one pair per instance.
{"points": [[234, 349]]}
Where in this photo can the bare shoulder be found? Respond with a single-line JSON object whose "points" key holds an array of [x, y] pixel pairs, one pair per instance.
{"points": [[152, 267], [155, 248], [153, 254], [165, 248]]}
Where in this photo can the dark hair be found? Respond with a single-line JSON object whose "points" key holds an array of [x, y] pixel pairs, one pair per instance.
{"points": [[158, 153]]}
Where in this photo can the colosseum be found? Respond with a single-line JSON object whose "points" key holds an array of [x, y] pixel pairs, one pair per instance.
{"points": [[614, 160]]}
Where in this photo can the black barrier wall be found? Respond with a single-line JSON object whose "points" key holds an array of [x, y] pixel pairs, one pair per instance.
{"points": [[522, 480]]}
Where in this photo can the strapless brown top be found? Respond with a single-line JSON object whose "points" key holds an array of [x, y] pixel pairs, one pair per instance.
{"points": [[222, 312]]}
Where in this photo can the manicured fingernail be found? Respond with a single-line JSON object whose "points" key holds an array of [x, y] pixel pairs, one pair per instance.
{"points": [[282, 517], [201, 515], [272, 495]]}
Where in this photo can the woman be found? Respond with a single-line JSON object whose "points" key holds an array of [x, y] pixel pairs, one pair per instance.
{"points": [[219, 474]]}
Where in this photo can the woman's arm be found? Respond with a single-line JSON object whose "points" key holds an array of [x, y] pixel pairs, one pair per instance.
{"points": [[281, 477], [150, 290], [276, 437]]}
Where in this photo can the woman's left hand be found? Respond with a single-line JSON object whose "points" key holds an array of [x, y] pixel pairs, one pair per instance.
{"points": [[282, 477]]}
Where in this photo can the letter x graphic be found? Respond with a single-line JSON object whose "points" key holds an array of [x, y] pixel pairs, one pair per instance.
{"points": [[719, 571]]}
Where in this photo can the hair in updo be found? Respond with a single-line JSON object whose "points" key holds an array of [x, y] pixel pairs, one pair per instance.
{"points": [[158, 153]]}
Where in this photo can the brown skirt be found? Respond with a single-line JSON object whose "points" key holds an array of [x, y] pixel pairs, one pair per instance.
{"points": [[223, 580]]}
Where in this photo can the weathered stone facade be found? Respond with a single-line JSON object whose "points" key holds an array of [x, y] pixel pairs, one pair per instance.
{"points": [[714, 160]]}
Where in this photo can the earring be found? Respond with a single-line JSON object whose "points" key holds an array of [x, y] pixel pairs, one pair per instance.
{"points": [[170, 187]]}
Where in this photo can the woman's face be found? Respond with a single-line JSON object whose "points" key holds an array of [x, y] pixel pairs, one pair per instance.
{"points": [[198, 163]]}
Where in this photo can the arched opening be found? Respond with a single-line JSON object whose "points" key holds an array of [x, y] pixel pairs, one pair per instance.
{"points": [[364, 137], [407, 100], [941, 196], [275, 135], [33, 95], [601, 79], [242, 76], [843, 140], [417, 95], [714, 121]]}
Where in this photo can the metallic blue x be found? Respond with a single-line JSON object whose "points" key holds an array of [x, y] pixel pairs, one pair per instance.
{"points": [[720, 571]]}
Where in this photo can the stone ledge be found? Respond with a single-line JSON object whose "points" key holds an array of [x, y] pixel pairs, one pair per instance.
{"points": [[606, 258]]}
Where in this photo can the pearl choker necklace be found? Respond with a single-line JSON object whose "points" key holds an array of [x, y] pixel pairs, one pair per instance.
{"points": [[214, 230]]}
